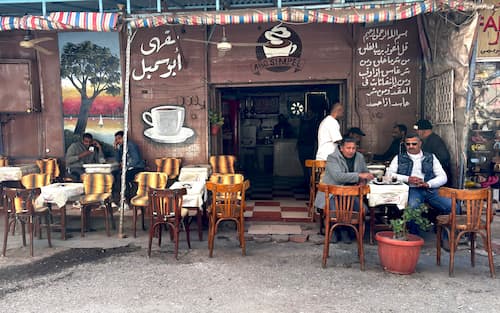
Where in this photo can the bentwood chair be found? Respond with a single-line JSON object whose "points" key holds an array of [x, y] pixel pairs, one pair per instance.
{"points": [[49, 166], [37, 181], [229, 205], [140, 201], [97, 198], [317, 169], [477, 220], [348, 211], [4, 161], [20, 206], [166, 208], [223, 164], [170, 166]]}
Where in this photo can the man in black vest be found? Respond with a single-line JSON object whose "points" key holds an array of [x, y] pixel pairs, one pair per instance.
{"points": [[423, 172]]}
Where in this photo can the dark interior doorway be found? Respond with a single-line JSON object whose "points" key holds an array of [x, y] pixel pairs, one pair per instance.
{"points": [[273, 129]]}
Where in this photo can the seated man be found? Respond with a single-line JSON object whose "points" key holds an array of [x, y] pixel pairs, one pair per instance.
{"points": [[423, 172], [397, 145], [344, 166], [134, 164], [85, 152], [357, 134]]}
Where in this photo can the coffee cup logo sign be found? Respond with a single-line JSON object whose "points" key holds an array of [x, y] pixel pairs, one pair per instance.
{"points": [[280, 50]]}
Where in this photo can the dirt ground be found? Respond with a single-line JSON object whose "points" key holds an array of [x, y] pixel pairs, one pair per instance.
{"points": [[101, 274]]}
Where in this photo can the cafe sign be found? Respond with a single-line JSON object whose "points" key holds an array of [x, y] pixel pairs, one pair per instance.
{"points": [[489, 33], [280, 50]]}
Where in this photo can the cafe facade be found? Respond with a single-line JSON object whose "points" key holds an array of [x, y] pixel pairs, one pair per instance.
{"points": [[387, 63]]}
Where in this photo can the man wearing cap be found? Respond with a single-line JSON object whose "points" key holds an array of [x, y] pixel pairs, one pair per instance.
{"points": [[432, 143], [329, 132]]}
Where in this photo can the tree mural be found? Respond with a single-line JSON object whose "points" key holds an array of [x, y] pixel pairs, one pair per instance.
{"points": [[92, 70]]}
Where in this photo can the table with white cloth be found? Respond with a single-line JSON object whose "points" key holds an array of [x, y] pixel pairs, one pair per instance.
{"points": [[16, 172], [193, 200], [195, 172], [101, 167], [56, 196], [381, 195]]}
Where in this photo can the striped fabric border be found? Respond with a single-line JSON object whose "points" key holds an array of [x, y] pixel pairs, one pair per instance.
{"points": [[368, 13], [91, 21]]}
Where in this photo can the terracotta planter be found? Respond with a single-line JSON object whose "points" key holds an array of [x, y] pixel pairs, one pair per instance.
{"points": [[398, 256], [214, 129]]}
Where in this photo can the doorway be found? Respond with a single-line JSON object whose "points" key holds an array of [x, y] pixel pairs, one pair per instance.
{"points": [[273, 129]]}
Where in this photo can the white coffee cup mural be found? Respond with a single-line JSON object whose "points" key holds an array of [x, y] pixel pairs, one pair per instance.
{"points": [[278, 44], [166, 123]]}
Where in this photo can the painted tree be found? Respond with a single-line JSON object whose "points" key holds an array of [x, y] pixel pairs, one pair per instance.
{"points": [[92, 70]]}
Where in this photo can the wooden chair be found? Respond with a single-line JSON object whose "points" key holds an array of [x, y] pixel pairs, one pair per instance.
{"points": [[170, 166], [166, 208], [49, 166], [37, 181], [223, 164], [20, 207], [97, 188], [140, 201], [317, 169], [4, 161], [230, 205], [346, 200], [476, 220]]}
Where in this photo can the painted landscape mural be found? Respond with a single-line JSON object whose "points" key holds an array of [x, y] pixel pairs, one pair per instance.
{"points": [[92, 96]]}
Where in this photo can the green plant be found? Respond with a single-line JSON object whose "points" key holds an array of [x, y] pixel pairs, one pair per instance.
{"points": [[400, 225], [215, 118]]}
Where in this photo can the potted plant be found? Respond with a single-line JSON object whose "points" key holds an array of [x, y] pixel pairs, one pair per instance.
{"points": [[216, 121], [399, 250]]}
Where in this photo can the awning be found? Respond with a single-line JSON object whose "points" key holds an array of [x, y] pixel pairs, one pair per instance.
{"points": [[350, 13], [91, 21]]}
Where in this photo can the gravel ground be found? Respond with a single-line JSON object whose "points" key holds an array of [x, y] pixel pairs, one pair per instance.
{"points": [[273, 277]]}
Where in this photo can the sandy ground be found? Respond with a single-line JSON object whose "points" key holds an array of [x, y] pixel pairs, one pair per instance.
{"points": [[101, 274]]}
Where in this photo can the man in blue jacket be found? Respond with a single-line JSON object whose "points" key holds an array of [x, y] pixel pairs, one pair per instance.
{"points": [[134, 165]]}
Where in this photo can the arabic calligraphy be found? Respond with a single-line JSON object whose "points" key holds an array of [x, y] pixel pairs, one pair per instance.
{"points": [[384, 69], [156, 60]]}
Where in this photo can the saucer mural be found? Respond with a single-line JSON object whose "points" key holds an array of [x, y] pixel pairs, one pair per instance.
{"points": [[184, 134]]}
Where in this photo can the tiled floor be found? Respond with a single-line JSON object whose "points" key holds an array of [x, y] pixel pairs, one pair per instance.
{"points": [[280, 199]]}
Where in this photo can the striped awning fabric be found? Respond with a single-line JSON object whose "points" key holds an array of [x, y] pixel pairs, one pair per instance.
{"points": [[91, 21], [368, 13]]}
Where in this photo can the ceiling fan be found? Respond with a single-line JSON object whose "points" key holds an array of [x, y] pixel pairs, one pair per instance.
{"points": [[224, 45], [29, 42]]}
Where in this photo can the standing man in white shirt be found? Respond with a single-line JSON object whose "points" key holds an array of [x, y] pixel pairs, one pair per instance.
{"points": [[329, 132], [423, 172]]}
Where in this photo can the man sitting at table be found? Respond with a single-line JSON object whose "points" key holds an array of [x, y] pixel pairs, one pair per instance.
{"points": [[134, 164], [397, 145], [345, 166], [423, 172], [85, 152]]}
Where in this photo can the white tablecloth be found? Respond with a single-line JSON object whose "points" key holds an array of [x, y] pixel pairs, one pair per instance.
{"points": [[195, 172], [60, 193], [100, 168], [196, 193], [388, 194], [16, 172]]}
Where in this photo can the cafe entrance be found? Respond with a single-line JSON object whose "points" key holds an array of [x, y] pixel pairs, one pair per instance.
{"points": [[273, 129]]}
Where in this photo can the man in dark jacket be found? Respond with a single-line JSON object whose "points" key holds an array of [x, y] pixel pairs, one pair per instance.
{"points": [[432, 143], [397, 145]]}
